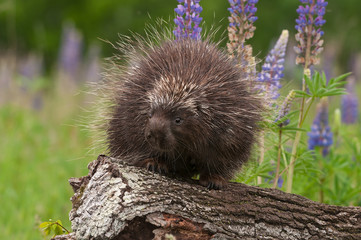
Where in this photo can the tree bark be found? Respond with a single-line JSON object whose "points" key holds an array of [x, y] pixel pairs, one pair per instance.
{"points": [[117, 201]]}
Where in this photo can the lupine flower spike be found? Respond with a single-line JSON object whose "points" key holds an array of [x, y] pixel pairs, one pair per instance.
{"points": [[285, 109], [188, 20], [70, 52], [309, 34], [272, 69], [240, 29], [240, 24], [349, 104], [321, 135]]}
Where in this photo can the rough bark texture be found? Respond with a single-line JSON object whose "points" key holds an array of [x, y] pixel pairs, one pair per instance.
{"points": [[117, 201]]}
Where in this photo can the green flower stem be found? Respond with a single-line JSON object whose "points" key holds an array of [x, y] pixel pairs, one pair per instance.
{"points": [[284, 158], [298, 136], [293, 156], [284, 161], [322, 178], [308, 50], [301, 116], [295, 144], [261, 157], [308, 108], [275, 181]]}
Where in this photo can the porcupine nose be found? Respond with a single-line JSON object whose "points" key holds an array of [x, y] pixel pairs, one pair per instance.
{"points": [[155, 138], [156, 133]]}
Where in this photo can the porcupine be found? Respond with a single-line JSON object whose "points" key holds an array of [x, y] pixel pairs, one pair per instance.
{"points": [[184, 107]]}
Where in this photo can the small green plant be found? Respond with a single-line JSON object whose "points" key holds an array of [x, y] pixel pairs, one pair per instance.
{"points": [[317, 87], [53, 228]]}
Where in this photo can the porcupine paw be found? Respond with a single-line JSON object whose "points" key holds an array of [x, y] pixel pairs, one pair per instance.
{"points": [[212, 182], [154, 166]]}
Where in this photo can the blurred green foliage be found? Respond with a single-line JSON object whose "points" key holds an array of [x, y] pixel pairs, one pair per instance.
{"points": [[39, 152], [36, 25]]}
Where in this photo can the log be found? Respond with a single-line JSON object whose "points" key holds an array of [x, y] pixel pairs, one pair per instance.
{"points": [[118, 201]]}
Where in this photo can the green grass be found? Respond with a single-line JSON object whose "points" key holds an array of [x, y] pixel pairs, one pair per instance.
{"points": [[38, 154]]}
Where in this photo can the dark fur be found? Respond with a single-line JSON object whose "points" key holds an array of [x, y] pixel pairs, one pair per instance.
{"points": [[196, 83]]}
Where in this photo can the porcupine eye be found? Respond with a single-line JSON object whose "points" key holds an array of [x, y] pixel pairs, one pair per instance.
{"points": [[178, 121]]}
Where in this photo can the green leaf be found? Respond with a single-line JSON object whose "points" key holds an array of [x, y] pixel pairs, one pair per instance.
{"points": [[52, 227], [44, 224], [47, 231], [309, 84], [342, 77], [336, 85], [294, 129], [58, 229], [324, 77], [287, 116], [300, 93], [320, 92], [323, 80], [317, 81], [334, 92], [318, 86], [46, 228]]}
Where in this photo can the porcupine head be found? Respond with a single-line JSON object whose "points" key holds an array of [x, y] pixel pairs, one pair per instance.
{"points": [[183, 107]]}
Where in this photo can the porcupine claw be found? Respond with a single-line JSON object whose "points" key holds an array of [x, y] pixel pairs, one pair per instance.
{"points": [[212, 182], [153, 165]]}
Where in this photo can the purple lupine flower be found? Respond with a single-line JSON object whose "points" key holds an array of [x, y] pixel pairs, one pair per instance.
{"points": [[280, 182], [188, 26], [309, 23], [240, 24], [349, 104], [70, 51], [6, 79], [285, 109], [245, 8], [321, 135], [272, 69], [31, 67], [92, 71]]}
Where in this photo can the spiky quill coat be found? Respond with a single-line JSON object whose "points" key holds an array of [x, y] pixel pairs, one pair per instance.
{"points": [[203, 109]]}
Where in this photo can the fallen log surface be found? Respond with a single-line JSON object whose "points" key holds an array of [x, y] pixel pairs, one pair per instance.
{"points": [[117, 201]]}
